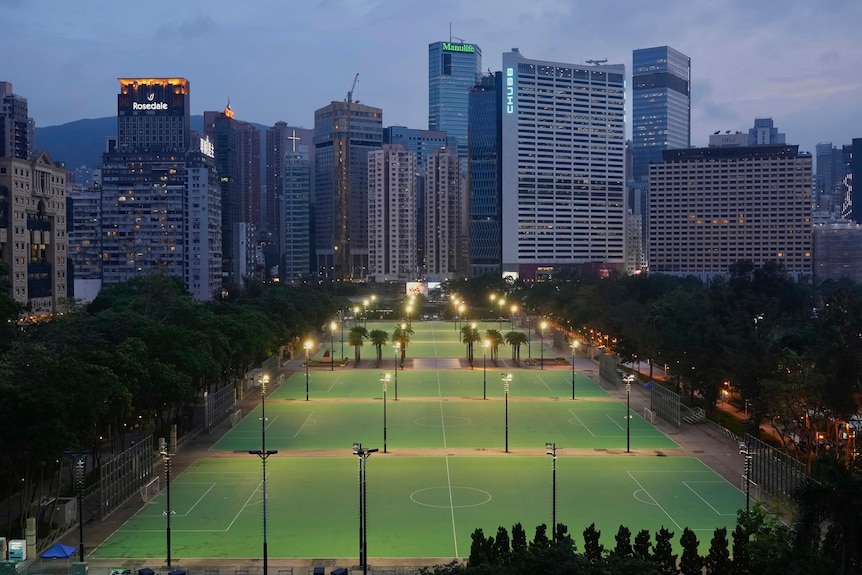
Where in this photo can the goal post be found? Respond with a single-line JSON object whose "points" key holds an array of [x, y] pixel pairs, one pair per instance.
{"points": [[150, 490], [649, 415]]}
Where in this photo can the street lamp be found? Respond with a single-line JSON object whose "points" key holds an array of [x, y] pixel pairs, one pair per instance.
{"points": [[79, 460], [355, 315], [365, 303], [332, 346], [384, 378], [551, 449], [307, 347], [514, 310], [403, 344], [460, 315], [502, 303], [745, 451], [263, 453], [363, 453], [629, 379], [529, 344], [542, 327], [485, 345], [397, 348], [341, 314], [574, 347], [507, 379], [168, 511]]}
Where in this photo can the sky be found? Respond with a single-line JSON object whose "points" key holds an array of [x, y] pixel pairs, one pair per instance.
{"points": [[796, 61]]}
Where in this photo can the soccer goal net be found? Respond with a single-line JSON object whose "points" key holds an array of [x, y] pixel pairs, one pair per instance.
{"points": [[150, 490], [750, 487], [649, 414], [235, 417]]}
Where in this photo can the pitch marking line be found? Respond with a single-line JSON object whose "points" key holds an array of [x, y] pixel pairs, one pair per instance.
{"points": [[717, 512], [451, 506], [333, 383], [614, 421], [584, 425], [542, 381], [307, 419], [657, 504]]}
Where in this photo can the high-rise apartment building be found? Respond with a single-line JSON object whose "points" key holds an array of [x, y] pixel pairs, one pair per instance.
{"points": [[295, 221], [453, 69], [237, 156], [17, 130], [392, 214], [563, 178], [160, 195], [33, 240], [344, 133], [712, 207], [485, 176], [661, 105], [854, 181], [446, 246]]}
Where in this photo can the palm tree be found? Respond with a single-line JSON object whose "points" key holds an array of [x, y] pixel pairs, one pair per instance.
{"points": [[516, 339], [378, 338], [402, 335], [470, 335], [494, 338], [357, 336]]}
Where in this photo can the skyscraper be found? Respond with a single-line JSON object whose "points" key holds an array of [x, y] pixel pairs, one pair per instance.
{"points": [[445, 217], [237, 156], [661, 107], [764, 132], [16, 128], [392, 214], [344, 133], [295, 221], [563, 178], [484, 175], [453, 69]]}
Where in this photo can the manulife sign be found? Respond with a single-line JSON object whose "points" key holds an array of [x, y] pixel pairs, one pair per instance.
{"points": [[448, 47]]}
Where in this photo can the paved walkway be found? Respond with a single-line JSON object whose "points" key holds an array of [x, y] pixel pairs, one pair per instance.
{"points": [[715, 449]]}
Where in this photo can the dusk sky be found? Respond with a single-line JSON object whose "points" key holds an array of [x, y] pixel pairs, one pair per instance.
{"points": [[799, 62]]}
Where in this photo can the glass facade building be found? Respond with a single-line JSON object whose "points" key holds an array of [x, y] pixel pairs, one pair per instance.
{"points": [[661, 109], [484, 175], [453, 69]]}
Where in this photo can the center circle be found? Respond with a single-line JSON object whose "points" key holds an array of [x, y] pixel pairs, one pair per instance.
{"points": [[440, 422], [450, 497]]}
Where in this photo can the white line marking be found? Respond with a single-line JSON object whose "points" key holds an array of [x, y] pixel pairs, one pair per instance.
{"points": [[542, 381], [654, 499], [244, 505], [333, 384], [582, 423], [271, 422], [303, 425], [451, 506], [614, 421], [704, 500], [186, 514]]}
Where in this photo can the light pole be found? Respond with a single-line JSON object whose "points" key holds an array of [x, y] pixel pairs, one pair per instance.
{"points": [[485, 345], [397, 348], [355, 315], [629, 379], [507, 379], [542, 327], [363, 453], [307, 347], [551, 449], [365, 311], [79, 460], [332, 346], [502, 304], [403, 346], [745, 451], [574, 347], [341, 313], [529, 345], [514, 310], [263, 453], [470, 344], [168, 511], [460, 316], [384, 378]]}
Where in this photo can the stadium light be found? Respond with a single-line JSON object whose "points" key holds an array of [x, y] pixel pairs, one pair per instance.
{"points": [[263, 453]]}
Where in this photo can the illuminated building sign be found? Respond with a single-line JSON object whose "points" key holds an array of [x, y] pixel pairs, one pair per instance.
{"points": [[510, 90], [448, 47], [149, 106]]}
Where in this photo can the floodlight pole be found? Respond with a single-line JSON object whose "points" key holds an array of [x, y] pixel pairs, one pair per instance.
{"points": [[745, 451], [507, 378], [168, 511], [263, 453], [363, 453], [484, 372], [574, 347], [629, 415], [551, 449], [384, 378], [79, 460]]}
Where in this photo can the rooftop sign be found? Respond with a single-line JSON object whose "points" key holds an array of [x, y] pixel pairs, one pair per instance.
{"points": [[449, 47]]}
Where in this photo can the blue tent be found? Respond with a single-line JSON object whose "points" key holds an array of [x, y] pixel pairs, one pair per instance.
{"points": [[59, 551]]}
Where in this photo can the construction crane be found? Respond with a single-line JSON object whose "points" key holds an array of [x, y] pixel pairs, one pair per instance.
{"points": [[597, 62], [352, 88]]}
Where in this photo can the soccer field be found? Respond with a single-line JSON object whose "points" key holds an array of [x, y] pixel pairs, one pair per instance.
{"points": [[445, 471]]}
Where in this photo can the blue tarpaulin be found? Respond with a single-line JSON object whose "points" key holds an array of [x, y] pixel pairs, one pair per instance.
{"points": [[59, 551]]}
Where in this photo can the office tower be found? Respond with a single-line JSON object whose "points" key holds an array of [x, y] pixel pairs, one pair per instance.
{"points": [[295, 221], [344, 133], [830, 168], [563, 175], [445, 217], [712, 207], [837, 251], [160, 191], [453, 69], [661, 105], [84, 227], [764, 132], [33, 241], [280, 140], [392, 214], [484, 175], [237, 157], [16, 129]]}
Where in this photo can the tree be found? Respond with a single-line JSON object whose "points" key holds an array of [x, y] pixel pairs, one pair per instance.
{"points": [[469, 336], [502, 547], [402, 335], [717, 561], [623, 547], [690, 563], [357, 336], [642, 545], [593, 550], [494, 339], [378, 338], [662, 552], [519, 539], [516, 339], [741, 557], [478, 549]]}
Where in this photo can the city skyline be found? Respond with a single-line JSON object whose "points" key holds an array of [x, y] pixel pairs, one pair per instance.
{"points": [[793, 61]]}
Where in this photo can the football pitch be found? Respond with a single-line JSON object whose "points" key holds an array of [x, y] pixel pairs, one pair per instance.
{"points": [[461, 454]]}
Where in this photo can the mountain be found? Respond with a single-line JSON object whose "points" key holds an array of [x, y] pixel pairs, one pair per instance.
{"points": [[82, 142]]}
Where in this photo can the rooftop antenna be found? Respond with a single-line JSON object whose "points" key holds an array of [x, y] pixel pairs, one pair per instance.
{"points": [[597, 62], [451, 37]]}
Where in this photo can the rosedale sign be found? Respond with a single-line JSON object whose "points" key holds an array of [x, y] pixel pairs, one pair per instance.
{"points": [[448, 47], [148, 106]]}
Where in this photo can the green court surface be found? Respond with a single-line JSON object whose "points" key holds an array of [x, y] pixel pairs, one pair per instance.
{"points": [[476, 424], [418, 506]]}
